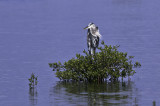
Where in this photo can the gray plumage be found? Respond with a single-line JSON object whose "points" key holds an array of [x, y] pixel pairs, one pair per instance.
{"points": [[93, 37]]}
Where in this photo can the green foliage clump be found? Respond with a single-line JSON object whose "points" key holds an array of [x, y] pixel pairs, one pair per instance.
{"points": [[32, 81], [109, 63]]}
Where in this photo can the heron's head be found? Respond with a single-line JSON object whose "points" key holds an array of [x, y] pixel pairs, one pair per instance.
{"points": [[90, 25]]}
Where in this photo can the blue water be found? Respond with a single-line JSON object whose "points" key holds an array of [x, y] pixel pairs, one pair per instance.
{"points": [[34, 33]]}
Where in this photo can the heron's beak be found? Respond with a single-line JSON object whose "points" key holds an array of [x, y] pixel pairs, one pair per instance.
{"points": [[86, 27]]}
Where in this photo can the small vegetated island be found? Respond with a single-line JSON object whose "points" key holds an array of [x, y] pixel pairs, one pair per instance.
{"points": [[108, 64]]}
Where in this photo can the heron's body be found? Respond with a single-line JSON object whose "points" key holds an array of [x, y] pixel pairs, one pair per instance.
{"points": [[92, 42], [93, 37]]}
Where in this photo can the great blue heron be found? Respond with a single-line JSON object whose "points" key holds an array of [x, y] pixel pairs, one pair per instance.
{"points": [[93, 37]]}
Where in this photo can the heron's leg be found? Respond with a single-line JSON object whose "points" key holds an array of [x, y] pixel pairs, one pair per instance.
{"points": [[92, 51], [89, 48], [89, 51]]}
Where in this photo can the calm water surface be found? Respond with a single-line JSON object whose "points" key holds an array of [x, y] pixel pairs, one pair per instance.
{"points": [[34, 33]]}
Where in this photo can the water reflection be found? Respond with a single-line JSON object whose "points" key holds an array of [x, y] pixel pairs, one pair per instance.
{"points": [[33, 94], [107, 93]]}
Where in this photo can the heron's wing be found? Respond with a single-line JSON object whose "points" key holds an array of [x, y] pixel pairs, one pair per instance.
{"points": [[95, 41]]}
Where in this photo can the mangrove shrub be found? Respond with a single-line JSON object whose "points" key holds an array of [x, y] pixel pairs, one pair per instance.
{"points": [[109, 63]]}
